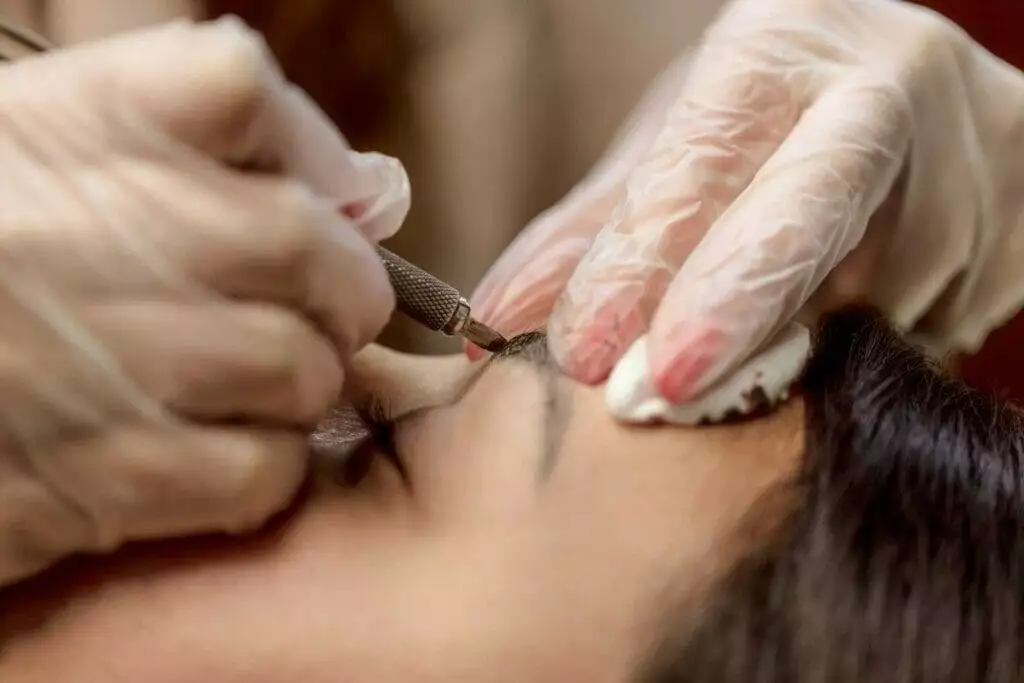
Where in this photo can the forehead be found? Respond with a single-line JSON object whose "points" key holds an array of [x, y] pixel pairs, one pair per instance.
{"points": [[693, 485], [690, 482], [631, 512]]}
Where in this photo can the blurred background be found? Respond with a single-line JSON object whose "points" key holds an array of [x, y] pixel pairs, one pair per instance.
{"points": [[497, 107]]}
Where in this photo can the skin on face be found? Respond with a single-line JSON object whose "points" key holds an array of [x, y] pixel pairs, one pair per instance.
{"points": [[534, 539]]}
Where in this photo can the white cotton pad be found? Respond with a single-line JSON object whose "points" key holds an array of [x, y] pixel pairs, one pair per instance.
{"points": [[765, 379]]}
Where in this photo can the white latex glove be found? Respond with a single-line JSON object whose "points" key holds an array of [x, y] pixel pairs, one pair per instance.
{"points": [[179, 291], [69, 22], [850, 148]]}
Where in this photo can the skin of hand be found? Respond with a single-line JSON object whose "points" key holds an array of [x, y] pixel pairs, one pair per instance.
{"points": [[811, 153], [178, 287]]}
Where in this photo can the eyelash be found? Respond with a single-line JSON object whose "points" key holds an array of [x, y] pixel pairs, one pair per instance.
{"points": [[380, 424]]}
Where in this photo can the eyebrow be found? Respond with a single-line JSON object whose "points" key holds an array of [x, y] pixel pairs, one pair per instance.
{"points": [[532, 348]]}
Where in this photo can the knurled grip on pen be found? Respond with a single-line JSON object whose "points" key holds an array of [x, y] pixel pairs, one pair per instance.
{"points": [[421, 296]]}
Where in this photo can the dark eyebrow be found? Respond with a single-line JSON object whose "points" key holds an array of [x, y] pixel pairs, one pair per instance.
{"points": [[532, 348]]}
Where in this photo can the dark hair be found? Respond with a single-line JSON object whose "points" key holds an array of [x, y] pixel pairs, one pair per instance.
{"points": [[902, 558]]}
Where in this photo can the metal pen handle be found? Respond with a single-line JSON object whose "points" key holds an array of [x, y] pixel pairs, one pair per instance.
{"points": [[432, 303], [435, 304]]}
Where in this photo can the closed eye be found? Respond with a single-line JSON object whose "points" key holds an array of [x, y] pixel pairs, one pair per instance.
{"points": [[379, 441]]}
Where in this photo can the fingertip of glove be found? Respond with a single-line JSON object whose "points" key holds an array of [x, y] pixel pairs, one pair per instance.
{"points": [[680, 365], [678, 381], [634, 395], [472, 351], [583, 355], [588, 347], [258, 472], [628, 393], [387, 195], [355, 322]]}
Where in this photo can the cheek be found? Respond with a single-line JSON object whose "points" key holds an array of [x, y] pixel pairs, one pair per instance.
{"points": [[438, 606], [339, 598]]}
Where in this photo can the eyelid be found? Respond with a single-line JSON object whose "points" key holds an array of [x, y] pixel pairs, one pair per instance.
{"points": [[374, 410], [452, 397]]}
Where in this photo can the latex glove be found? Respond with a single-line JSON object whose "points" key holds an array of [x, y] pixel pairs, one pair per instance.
{"points": [[179, 291], [68, 22], [846, 149]]}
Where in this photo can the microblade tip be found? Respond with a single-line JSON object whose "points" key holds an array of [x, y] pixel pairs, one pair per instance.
{"points": [[484, 337]]}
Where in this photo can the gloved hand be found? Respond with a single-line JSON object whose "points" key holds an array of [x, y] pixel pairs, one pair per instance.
{"points": [[69, 22], [179, 288], [816, 151]]}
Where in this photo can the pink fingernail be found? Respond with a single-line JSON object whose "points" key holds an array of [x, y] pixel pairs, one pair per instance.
{"points": [[679, 378], [472, 351], [354, 210], [589, 352]]}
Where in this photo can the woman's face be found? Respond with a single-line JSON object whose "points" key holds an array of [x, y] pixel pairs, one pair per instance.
{"points": [[532, 539]]}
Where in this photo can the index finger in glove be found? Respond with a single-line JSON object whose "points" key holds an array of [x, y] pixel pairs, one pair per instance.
{"points": [[155, 481], [216, 88], [286, 245], [805, 211], [725, 125]]}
